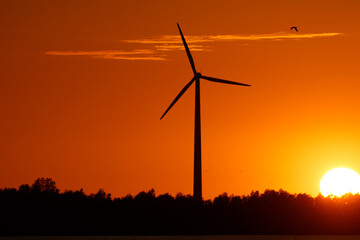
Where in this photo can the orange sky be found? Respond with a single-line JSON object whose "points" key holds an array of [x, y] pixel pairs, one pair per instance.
{"points": [[84, 83]]}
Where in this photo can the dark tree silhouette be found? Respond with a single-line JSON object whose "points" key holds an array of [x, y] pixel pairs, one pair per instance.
{"points": [[40, 209], [44, 185]]}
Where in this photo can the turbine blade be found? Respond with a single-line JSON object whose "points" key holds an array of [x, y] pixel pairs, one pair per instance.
{"points": [[223, 81], [191, 60], [178, 96]]}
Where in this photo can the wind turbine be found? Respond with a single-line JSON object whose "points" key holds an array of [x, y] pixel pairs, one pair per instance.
{"points": [[197, 140]]}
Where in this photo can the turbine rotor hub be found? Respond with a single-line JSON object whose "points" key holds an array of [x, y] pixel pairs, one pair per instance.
{"points": [[197, 75]]}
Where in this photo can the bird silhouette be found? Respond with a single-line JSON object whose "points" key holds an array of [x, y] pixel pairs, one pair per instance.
{"points": [[294, 28]]}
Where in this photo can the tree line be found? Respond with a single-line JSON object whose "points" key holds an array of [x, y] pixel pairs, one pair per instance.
{"points": [[41, 209]]}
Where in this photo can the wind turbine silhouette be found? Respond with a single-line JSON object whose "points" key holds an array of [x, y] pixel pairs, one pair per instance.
{"points": [[197, 140]]}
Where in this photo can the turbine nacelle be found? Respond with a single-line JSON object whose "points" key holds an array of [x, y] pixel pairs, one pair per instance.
{"points": [[197, 75]]}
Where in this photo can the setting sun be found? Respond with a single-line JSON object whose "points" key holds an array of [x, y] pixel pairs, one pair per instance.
{"points": [[340, 181]]}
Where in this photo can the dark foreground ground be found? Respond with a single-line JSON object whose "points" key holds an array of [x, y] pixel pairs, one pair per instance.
{"points": [[219, 237]]}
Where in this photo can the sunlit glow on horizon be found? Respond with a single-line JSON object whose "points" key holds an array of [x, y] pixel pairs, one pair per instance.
{"points": [[339, 181]]}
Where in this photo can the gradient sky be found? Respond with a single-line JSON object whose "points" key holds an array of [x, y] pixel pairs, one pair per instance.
{"points": [[83, 85]]}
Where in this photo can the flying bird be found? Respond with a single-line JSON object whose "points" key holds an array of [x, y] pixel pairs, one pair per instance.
{"points": [[294, 28]]}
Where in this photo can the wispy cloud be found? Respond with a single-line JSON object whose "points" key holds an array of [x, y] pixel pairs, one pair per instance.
{"points": [[175, 47], [174, 39], [137, 54], [155, 48]]}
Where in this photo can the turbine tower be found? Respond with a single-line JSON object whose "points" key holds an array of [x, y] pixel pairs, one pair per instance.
{"points": [[197, 140]]}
